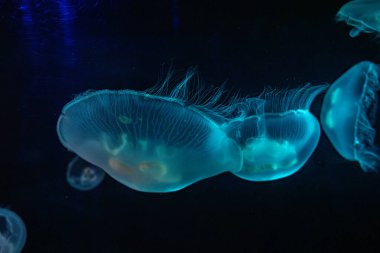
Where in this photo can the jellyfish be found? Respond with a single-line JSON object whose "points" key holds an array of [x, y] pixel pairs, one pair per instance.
{"points": [[82, 175], [276, 132], [12, 232], [363, 15], [348, 115], [152, 141]]}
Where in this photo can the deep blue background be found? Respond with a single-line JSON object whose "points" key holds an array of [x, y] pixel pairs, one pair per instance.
{"points": [[51, 50]]}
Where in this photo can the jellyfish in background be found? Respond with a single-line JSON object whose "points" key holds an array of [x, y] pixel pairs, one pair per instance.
{"points": [[149, 141], [12, 232], [349, 112], [82, 175], [363, 15], [276, 132]]}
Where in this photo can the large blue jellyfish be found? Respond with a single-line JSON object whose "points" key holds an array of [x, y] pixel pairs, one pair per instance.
{"points": [[276, 132], [148, 141], [12, 232], [349, 112], [363, 15], [82, 175]]}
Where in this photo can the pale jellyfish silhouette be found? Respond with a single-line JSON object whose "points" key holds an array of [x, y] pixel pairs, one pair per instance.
{"points": [[149, 141], [83, 175], [12, 232], [276, 132], [348, 115], [363, 15]]}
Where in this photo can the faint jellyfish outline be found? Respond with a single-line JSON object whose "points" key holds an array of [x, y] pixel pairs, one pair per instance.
{"points": [[362, 15], [276, 132], [159, 140], [83, 175], [12, 232], [348, 115]]}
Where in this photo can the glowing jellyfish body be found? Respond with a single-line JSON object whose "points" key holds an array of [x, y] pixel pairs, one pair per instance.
{"points": [[363, 15], [349, 112], [279, 137], [82, 175], [147, 142], [12, 232]]}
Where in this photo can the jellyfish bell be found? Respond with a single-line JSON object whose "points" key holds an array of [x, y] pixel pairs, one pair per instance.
{"points": [[276, 132], [148, 141], [348, 114], [362, 15], [83, 175], [12, 232]]}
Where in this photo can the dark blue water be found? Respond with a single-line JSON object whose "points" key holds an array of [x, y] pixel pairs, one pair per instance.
{"points": [[52, 50]]}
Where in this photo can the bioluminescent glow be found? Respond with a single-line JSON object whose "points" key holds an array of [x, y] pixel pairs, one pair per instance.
{"points": [[276, 132], [148, 141], [82, 175], [363, 15], [349, 113], [12, 232]]}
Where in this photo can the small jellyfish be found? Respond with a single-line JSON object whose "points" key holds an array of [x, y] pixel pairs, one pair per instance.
{"points": [[276, 132], [363, 15], [82, 175], [150, 141], [12, 232], [348, 115]]}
